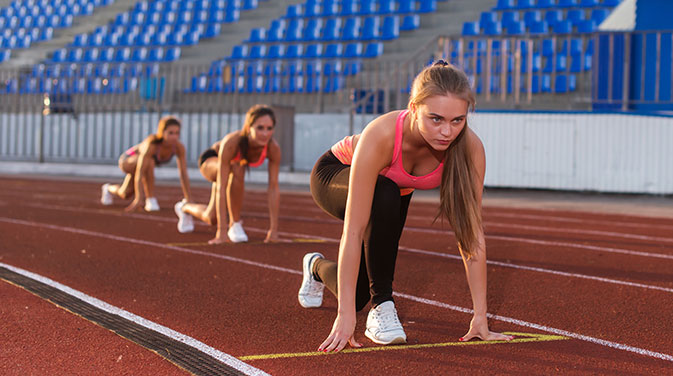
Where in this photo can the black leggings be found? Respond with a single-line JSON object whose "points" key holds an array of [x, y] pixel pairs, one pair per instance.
{"points": [[329, 187]]}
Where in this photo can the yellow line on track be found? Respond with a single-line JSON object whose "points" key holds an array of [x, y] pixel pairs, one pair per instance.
{"points": [[527, 337]]}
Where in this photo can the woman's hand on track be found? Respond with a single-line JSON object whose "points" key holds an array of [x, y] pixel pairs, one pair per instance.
{"points": [[342, 334], [479, 329], [218, 240], [133, 206], [271, 237]]}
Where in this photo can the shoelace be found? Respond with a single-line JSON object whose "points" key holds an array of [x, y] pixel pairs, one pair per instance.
{"points": [[387, 319]]}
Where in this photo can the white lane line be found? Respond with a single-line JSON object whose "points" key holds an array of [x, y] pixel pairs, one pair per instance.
{"points": [[515, 239], [180, 337], [582, 337], [544, 328], [583, 220], [401, 248], [580, 231]]}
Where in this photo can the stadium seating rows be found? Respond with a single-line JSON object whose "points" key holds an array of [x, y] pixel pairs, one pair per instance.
{"points": [[559, 48]]}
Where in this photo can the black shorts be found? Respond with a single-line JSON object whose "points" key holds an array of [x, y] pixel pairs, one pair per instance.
{"points": [[207, 154]]}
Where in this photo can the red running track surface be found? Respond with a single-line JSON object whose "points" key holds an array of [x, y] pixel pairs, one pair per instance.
{"points": [[604, 282]]}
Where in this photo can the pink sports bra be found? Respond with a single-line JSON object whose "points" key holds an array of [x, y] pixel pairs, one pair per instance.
{"points": [[259, 162], [343, 151]]}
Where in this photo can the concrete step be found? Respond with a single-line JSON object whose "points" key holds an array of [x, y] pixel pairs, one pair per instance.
{"points": [[62, 37]]}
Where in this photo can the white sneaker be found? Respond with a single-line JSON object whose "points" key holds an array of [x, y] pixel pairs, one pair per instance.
{"points": [[185, 220], [105, 195], [151, 204], [383, 326], [310, 292], [236, 233]]}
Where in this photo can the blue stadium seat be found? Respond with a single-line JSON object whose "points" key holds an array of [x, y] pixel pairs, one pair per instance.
{"points": [[294, 30], [587, 26], [293, 11], [410, 22], [553, 16], [312, 30], [565, 83], [351, 29], [391, 28], [531, 17], [576, 16], [493, 28], [257, 35], [239, 52], [232, 15], [367, 7], [563, 27], [249, 4], [611, 3], [256, 51], [91, 55], [427, 6], [275, 51], [353, 50], [139, 54], [546, 4], [589, 3], [539, 27], [329, 8], [525, 4], [156, 54], [471, 28], [75, 55], [313, 51], [333, 50], [293, 51], [348, 8], [386, 7], [509, 17], [567, 3], [373, 50], [406, 6], [332, 30], [311, 10], [276, 30], [370, 29], [488, 17], [107, 54], [59, 55], [516, 28], [5, 55]]}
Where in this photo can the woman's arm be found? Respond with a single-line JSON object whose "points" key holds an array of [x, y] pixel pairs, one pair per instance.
{"points": [[145, 151], [273, 191], [373, 153], [224, 156], [182, 169], [475, 266]]}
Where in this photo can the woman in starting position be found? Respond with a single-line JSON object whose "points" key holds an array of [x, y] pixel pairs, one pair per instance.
{"points": [[368, 179], [139, 161], [224, 164]]}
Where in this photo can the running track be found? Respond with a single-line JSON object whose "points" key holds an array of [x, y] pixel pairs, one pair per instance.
{"points": [[589, 293]]}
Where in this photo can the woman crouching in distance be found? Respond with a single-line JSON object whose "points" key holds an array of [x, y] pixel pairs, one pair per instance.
{"points": [[224, 164], [139, 161], [368, 179]]}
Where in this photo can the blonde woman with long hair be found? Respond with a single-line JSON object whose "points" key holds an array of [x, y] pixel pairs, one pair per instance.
{"points": [[368, 179], [139, 161], [224, 164]]}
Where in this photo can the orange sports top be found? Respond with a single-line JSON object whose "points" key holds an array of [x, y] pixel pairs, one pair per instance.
{"points": [[343, 151]]}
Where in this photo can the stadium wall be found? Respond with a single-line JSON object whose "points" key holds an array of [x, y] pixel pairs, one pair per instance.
{"points": [[583, 151]]}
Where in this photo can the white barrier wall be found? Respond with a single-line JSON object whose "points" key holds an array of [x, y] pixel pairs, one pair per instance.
{"points": [[584, 151], [565, 151]]}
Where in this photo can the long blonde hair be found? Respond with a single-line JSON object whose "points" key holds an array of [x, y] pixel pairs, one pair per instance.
{"points": [[460, 181]]}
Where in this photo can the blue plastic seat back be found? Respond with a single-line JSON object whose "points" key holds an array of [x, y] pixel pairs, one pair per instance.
{"points": [[410, 22], [353, 50], [370, 29], [333, 50], [391, 28]]}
